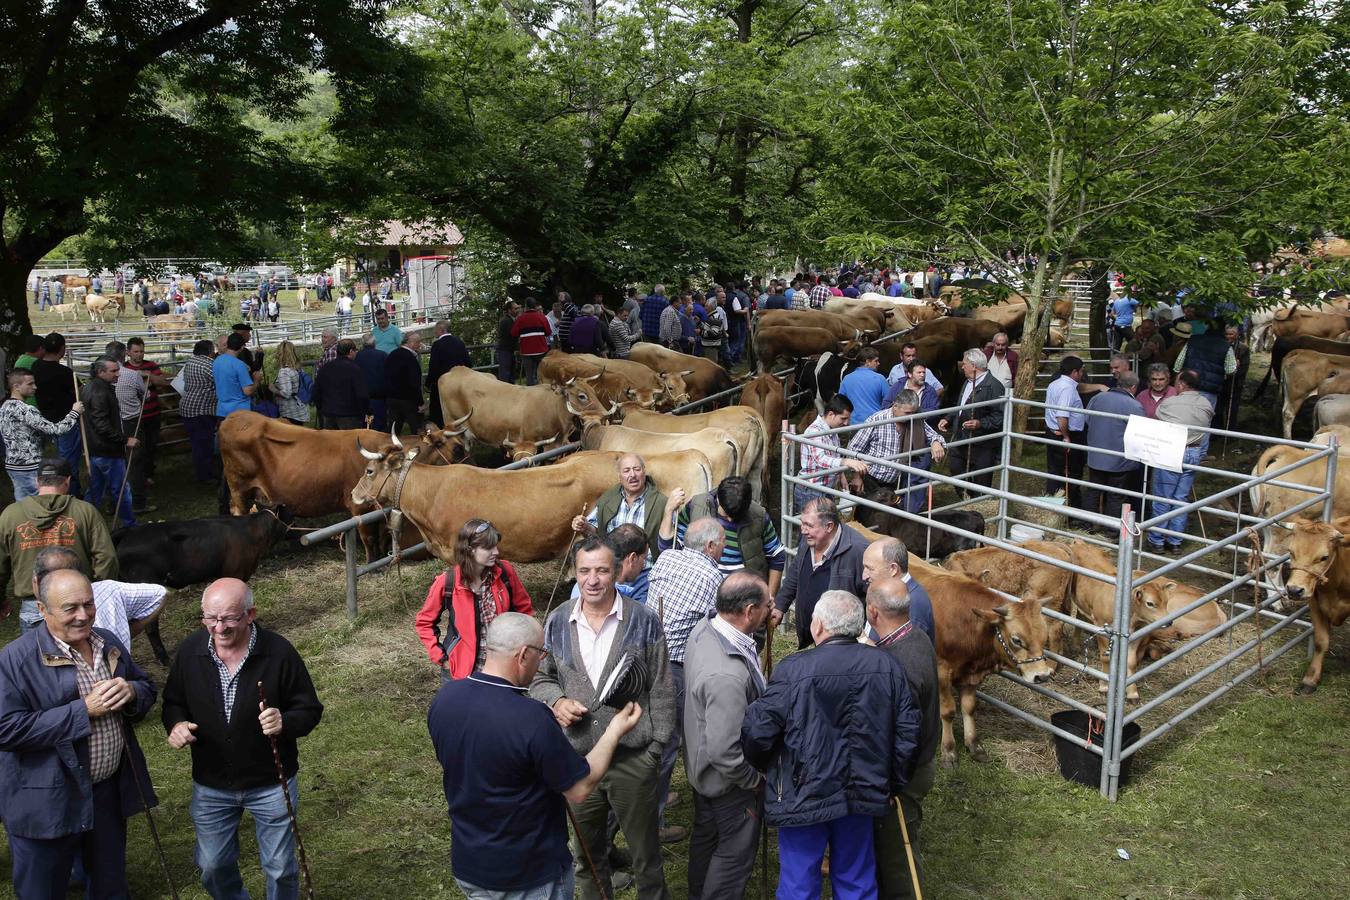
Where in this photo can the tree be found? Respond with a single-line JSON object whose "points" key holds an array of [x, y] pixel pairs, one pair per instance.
{"points": [[1173, 139], [125, 121]]}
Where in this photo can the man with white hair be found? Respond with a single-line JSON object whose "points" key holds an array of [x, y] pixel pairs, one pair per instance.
{"points": [[328, 341], [975, 422], [210, 699], [832, 779], [509, 770]]}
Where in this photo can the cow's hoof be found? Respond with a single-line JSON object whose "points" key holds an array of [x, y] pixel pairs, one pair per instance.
{"points": [[978, 754], [1131, 695], [948, 760], [1305, 688]]}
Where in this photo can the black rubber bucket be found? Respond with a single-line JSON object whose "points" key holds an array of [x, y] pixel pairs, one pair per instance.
{"points": [[1076, 762]]}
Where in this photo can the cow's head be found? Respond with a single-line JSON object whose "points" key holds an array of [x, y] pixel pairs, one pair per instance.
{"points": [[437, 447], [1149, 602], [848, 348], [677, 392], [379, 481], [1312, 548], [583, 402], [1021, 633], [524, 449], [644, 397]]}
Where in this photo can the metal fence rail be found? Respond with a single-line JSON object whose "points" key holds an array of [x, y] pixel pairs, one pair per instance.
{"points": [[1135, 566]]}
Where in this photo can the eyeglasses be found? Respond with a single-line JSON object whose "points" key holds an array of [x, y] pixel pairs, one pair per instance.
{"points": [[542, 652], [227, 621]]}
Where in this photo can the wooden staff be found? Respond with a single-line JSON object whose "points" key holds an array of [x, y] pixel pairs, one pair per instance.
{"points": [[145, 805], [909, 849], [290, 807], [84, 440]]}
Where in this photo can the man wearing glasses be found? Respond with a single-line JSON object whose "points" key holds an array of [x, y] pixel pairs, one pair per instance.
{"points": [[510, 770], [209, 703]]}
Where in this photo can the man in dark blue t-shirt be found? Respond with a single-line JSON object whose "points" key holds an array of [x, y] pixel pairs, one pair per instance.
{"points": [[509, 770]]}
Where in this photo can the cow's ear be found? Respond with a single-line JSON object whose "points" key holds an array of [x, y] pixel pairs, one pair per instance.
{"points": [[1337, 539], [992, 616], [984, 575], [1170, 586]]}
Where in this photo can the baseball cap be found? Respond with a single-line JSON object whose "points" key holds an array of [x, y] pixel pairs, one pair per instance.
{"points": [[54, 468]]}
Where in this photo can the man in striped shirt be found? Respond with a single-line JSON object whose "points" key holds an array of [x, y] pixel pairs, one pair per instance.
{"points": [[837, 414], [749, 539]]}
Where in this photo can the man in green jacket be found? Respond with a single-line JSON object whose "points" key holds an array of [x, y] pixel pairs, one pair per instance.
{"points": [[50, 518], [634, 499]]}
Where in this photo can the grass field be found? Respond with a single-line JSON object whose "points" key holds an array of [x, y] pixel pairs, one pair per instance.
{"points": [[1245, 800]]}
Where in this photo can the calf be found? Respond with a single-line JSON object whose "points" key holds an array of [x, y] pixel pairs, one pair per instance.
{"points": [[1319, 574], [1095, 601], [1022, 577], [195, 551], [924, 540]]}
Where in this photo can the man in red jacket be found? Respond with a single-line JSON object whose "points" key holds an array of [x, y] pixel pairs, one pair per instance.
{"points": [[532, 330], [473, 593]]}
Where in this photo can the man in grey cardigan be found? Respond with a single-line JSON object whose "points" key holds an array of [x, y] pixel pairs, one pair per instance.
{"points": [[723, 677], [585, 639]]}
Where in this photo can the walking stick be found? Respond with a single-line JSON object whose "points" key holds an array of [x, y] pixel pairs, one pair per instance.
{"points": [[909, 850], [84, 442], [131, 451], [586, 852], [290, 807], [145, 805], [563, 568]]}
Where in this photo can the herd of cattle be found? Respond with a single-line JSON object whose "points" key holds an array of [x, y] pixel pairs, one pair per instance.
{"points": [[611, 407]]}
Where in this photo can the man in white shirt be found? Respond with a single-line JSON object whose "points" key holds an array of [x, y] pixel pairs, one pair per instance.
{"points": [[1065, 422], [124, 609]]}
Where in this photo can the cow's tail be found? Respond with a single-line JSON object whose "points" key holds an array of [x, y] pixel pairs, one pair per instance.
{"points": [[735, 457]]}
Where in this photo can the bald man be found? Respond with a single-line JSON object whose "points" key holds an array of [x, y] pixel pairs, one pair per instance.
{"points": [[888, 612], [209, 705], [889, 558], [66, 690]]}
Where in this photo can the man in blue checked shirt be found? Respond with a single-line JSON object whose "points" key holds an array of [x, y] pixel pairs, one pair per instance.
{"points": [[1066, 422], [888, 440]]}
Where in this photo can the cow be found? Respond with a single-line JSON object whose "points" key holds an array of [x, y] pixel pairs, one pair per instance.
{"points": [[925, 540], [97, 306], [1319, 575], [699, 377], [532, 508], [842, 328], [1286, 345], [194, 551], [1022, 577], [1312, 323], [170, 324], [310, 472], [613, 383], [62, 308], [819, 378], [767, 395], [743, 423], [897, 316], [481, 409], [77, 294], [1008, 315], [872, 318], [719, 446], [795, 342], [1332, 409], [965, 332], [1095, 602], [1198, 621], [75, 281], [1304, 373]]}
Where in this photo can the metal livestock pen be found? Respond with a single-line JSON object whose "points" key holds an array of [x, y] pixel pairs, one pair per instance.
{"points": [[1230, 585]]}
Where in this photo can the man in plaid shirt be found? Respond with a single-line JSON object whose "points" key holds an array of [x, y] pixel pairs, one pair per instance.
{"points": [[820, 294], [68, 692], [890, 440], [819, 459], [683, 591]]}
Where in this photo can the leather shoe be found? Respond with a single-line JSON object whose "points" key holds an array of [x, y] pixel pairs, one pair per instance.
{"points": [[673, 834]]}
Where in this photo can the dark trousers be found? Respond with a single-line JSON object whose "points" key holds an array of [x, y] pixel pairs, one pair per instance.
{"points": [[671, 751], [343, 423], [1063, 461], [629, 789], [1230, 398], [531, 366], [970, 457], [1112, 491], [722, 848], [403, 412], [201, 435], [506, 366], [42, 867], [142, 463], [894, 881]]}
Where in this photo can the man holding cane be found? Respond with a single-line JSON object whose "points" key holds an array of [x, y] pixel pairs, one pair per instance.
{"points": [[974, 423]]}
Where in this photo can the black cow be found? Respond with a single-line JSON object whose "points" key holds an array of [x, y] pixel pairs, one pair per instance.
{"points": [[819, 377], [196, 551], [916, 536]]}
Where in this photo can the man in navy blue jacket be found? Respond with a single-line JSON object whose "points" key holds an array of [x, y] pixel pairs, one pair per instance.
{"points": [[68, 692], [855, 729]]}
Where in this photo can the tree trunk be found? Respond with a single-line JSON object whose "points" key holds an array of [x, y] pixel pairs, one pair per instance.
{"points": [[1101, 292], [14, 321]]}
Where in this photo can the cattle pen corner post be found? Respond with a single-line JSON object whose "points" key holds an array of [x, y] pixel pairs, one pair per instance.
{"points": [[1119, 646], [349, 544]]}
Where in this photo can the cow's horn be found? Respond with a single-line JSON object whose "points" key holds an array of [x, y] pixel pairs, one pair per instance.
{"points": [[461, 420], [686, 372], [631, 393], [571, 409], [368, 454], [595, 377], [507, 442], [393, 436], [613, 408], [551, 440]]}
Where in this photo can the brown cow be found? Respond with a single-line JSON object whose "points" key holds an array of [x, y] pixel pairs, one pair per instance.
{"points": [[481, 409], [766, 395], [1288, 323], [310, 472], [1320, 576], [1095, 602], [700, 377], [533, 508], [842, 328], [616, 381], [872, 318], [1303, 374], [743, 423], [76, 281], [793, 342], [719, 446], [1022, 577]]}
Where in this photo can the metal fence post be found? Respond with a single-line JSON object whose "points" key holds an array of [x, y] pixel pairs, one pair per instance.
{"points": [[350, 541], [1006, 461], [1120, 646], [1331, 477], [785, 489]]}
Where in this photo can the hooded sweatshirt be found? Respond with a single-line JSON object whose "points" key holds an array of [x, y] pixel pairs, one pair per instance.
{"points": [[53, 520]]}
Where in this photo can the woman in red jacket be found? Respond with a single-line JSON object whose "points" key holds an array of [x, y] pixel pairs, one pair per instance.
{"points": [[480, 586]]}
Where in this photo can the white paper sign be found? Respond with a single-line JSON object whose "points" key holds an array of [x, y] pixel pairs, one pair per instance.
{"points": [[1154, 443]]}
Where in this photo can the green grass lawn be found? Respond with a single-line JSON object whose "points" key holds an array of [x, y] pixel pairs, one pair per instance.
{"points": [[1243, 801]]}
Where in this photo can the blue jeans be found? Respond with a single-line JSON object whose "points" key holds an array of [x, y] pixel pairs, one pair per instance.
{"points": [[25, 482], [69, 447], [1174, 486], [559, 889], [42, 867], [216, 815], [108, 474], [853, 868]]}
